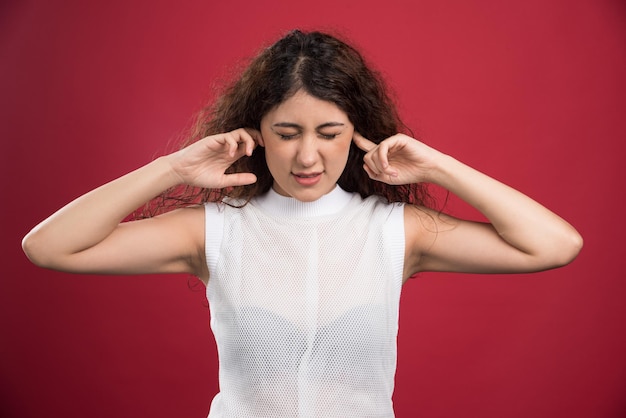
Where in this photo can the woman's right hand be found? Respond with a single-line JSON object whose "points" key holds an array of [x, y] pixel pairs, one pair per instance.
{"points": [[204, 163], [88, 235]]}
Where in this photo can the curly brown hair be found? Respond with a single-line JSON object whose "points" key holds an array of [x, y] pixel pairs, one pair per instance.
{"points": [[326, 68]]}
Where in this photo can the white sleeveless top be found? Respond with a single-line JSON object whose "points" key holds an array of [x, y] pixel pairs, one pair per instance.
{"points": [[304, 300]]}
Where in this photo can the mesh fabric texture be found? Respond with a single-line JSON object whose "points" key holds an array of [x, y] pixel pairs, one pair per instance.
{"points": [[304, 302]]}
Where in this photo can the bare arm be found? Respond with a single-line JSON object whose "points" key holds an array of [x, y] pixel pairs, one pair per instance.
{"points": [[521, 236], [87, 236]]}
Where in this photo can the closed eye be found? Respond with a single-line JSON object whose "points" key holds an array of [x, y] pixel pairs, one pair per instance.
{"points": [[292, 136]]}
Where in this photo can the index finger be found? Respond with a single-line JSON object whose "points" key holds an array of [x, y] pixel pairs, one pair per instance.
{"points": [[362, 142]]}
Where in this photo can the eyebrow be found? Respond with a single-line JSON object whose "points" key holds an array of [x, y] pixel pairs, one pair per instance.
{"points": [[295, 125]]}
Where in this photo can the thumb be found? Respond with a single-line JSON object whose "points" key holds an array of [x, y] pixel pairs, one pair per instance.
{"points": [[240, 179], [362, 142]]}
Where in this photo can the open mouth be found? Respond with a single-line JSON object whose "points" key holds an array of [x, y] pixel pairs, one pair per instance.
{"points": [[307, 179]]}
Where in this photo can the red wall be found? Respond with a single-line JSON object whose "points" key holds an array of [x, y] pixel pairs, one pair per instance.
{"points": [[531, 92]]}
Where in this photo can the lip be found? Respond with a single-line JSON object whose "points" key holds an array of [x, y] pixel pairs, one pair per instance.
{"points": [[307, 179]]}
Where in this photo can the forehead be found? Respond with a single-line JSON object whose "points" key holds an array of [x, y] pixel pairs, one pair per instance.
{"points": [[304, 109]]}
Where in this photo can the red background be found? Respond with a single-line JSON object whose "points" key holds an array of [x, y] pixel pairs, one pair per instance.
{"points": [[532, 92]]}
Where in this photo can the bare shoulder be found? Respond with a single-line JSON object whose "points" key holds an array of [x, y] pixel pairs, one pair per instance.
{"points": [[190, 216], [422, 225], [187, 224]]}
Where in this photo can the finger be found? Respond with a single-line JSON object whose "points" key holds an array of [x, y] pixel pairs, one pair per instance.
{"points": [[382, 177], [376, 176], [377, 159], [370, 163], [383, 155], [240, 179], [362, 142], [231, 143], [240, 142], [383, 158], [252, 138], [369, 172]]}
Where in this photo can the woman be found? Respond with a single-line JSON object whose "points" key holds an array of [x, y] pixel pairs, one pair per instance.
{"points": [[313, 217]]}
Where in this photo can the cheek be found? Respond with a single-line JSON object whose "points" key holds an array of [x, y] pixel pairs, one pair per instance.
{"points": [[343, 151], [277, 155]]}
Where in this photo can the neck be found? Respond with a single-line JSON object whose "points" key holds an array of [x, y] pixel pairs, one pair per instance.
{"points": [[328, 204]]}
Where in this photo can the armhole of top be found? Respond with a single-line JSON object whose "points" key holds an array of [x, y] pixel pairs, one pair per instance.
{"points": [[396, 240], [213, 232]]}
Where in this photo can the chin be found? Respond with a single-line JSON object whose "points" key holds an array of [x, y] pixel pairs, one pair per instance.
{"points": [[304, 194], [311, 195], [308, 197]]}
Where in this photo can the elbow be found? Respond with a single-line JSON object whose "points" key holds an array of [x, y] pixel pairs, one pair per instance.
{"points": [[567, 249], [35, 250], [576, 245], [29, 247]]}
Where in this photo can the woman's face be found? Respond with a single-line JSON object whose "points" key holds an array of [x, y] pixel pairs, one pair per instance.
{"points": [[306, 142]]}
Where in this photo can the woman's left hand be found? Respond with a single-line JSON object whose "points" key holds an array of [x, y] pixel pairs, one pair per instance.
{"points": [[398, 159], [521, 236]]}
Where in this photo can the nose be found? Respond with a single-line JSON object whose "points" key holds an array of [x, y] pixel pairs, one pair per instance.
{"points": [[307, 151]]}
